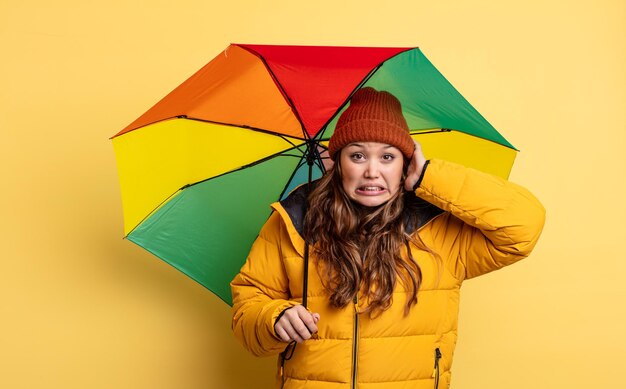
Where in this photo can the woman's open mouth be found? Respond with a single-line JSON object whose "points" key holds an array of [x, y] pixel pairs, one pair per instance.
{"points": [[370, 190]]}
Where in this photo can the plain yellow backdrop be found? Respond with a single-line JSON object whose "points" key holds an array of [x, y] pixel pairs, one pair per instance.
{"points": [[82, 308]]}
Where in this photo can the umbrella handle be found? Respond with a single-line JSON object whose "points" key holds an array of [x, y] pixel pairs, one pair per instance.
{"points": [[305, 283], [310, 160]]}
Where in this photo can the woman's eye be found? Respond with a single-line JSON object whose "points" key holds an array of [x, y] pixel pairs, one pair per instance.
{"points": [[357, 156], [388, 157]]}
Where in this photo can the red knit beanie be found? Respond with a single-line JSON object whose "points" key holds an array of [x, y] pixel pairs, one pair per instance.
{"points": [[372, 116]]}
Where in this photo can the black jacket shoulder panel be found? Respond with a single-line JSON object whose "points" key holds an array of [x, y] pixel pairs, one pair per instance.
{"points": [[425, 211], [295, 205]]}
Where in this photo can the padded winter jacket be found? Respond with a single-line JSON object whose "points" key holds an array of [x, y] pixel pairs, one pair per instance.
{"points": [[476, 222]]}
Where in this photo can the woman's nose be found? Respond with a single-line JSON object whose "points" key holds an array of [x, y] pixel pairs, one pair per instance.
{"points": [[372, 169]]}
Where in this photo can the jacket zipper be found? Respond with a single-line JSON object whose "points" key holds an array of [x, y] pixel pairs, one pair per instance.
{"points": [[436, 370], [355, 341]]}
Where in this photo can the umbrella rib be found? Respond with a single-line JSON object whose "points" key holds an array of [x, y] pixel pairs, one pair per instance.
{"points": [[433, 131], [363, 81], [281, 89], [281, 153], [318, 157], [317, 161], [300, 164], [152, 211], [245, 126], [418, 132]]}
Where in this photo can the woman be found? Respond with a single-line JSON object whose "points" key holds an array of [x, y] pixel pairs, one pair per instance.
{"points": [[391, 238]]}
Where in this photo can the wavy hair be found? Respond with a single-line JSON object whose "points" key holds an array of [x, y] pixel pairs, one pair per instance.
{"points": [[359, 248]]}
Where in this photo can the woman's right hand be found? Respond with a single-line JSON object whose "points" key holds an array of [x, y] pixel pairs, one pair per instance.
{"points": [[296, 324]]}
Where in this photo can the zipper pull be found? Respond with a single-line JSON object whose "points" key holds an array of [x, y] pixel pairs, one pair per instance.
{"points": [[437, 358]]}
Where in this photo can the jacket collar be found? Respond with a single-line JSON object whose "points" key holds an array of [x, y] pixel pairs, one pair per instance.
{"points": [[293, 208]]}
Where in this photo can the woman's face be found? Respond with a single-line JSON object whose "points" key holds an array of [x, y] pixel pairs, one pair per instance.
{"points": [[371, 172]]}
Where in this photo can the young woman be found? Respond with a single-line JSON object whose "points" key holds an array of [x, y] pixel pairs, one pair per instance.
{"points": [[389, 237]]}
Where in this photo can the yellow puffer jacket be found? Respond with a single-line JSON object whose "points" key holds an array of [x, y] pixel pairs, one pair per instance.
{"points": [[478, 223]]}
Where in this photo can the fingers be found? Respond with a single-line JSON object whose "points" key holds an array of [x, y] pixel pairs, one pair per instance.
{"points": [[415, 167], [297, 323], [290, 333], [418, 146], [282, 334], [308, 320]]}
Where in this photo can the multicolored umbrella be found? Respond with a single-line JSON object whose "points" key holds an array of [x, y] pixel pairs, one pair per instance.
{"points": [[200, 168]]}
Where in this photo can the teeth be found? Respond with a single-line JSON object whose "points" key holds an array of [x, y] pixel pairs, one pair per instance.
{"points": [[371, 188]]}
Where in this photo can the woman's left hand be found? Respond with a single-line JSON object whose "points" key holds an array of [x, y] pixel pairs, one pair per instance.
{"points": [[415, 167]]}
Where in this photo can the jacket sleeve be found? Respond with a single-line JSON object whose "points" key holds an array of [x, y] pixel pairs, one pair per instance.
{"points": [[260, 293], [491, 223]]}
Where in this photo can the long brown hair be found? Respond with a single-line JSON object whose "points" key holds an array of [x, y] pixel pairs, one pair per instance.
{"points": [[359, 248]]}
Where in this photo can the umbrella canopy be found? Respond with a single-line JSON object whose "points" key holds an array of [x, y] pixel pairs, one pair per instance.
{"points": [[199, 169]]}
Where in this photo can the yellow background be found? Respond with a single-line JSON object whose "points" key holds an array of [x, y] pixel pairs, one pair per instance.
{"points": [[82, 308]]}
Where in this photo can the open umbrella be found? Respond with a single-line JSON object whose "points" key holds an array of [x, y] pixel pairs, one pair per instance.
{"points": [[199, 169]]}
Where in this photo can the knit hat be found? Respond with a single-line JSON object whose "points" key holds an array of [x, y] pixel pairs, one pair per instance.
{"points": [[372, 116]]}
